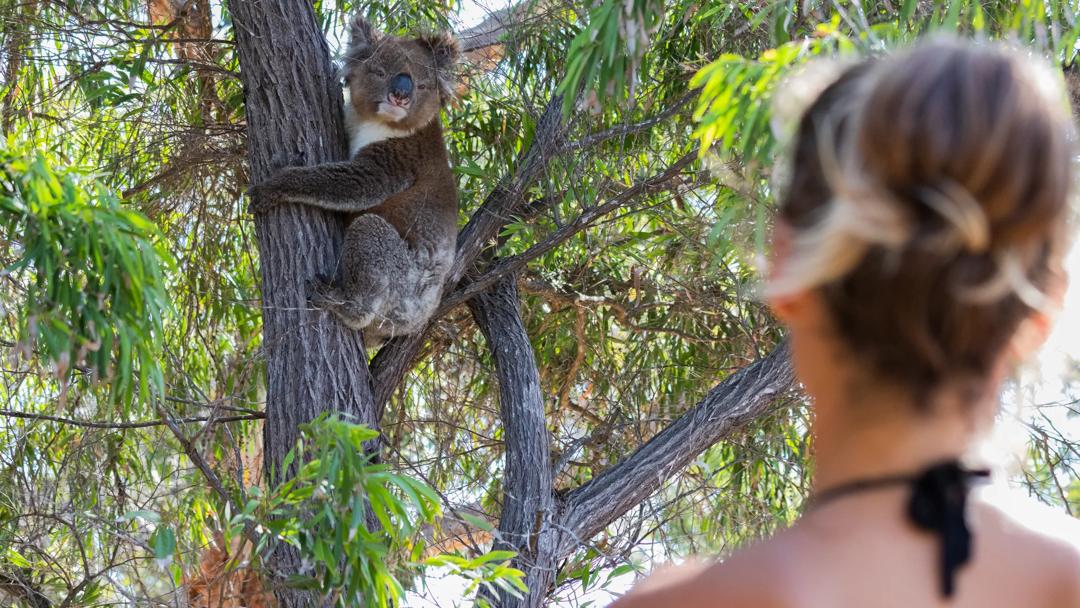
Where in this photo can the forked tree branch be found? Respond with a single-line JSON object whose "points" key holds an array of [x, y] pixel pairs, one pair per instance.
{"points": [[551, 529], [394, 360], [528, 506]]}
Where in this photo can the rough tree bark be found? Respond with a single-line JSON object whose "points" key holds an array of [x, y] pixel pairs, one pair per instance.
{"points": [[528, 505], [293, 108]]}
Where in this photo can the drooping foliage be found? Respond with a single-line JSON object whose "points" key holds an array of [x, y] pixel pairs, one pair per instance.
{"points": [[95, 293]]}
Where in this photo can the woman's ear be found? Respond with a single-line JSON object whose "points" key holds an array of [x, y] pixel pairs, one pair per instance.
{"points": [[1035, 329], [795, 307], [782, 237], [783, 305]]}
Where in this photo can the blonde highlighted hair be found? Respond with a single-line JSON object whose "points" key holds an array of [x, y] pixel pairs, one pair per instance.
{"points": [[928, 197]]}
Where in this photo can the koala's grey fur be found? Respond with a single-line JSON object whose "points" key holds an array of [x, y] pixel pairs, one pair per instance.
{"points": [[398, 187]]}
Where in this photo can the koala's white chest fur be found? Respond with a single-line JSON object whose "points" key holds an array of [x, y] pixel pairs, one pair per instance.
{"points": [[362, 133]]}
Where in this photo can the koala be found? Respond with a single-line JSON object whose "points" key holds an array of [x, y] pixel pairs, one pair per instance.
{"points": [[397, 189]]}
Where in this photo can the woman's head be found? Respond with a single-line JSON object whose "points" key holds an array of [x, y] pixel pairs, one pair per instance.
{"points": [[926, 209]]}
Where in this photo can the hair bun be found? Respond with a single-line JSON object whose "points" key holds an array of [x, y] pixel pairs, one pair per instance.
{"points": [[974, 139], [929, 201]]}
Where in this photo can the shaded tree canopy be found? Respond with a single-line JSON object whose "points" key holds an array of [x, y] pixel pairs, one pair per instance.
{"points": [[600, 388]]}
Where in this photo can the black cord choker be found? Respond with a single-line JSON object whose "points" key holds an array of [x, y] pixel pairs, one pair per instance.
{"points": [[937, 505]]}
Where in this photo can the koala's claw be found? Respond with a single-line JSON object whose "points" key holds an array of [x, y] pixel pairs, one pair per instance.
{"points": [[262, 198], [324, 295], [321, 291]]}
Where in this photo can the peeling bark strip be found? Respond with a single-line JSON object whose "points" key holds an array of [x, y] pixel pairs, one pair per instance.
{"points": [[528, 505], [195, 29], [293, 106]]}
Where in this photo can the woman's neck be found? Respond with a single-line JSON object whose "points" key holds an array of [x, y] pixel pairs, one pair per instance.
{"points": [[886, 436]]}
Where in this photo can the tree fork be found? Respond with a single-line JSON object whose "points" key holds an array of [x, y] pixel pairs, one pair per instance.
{"points": [[528, 506], [544, 531]]}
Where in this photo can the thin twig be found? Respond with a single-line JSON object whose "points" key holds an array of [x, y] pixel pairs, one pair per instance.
{"points": [[579, 356], [94, 424], [623, 130], [204, 467]]}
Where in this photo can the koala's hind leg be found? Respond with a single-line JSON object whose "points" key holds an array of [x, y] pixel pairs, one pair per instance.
{"points": [[374, 260], [413, 305]]}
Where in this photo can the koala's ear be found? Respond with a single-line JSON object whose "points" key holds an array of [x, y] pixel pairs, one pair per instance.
{"points": [[362, 37], [444, 47], [446, 50]]}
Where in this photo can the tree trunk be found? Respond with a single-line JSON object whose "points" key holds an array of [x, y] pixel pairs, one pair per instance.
{"points": [[293, 108], [528, 506]]}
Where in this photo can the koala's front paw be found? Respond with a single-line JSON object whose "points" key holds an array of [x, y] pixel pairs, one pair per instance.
{"points": [[264, 197]]}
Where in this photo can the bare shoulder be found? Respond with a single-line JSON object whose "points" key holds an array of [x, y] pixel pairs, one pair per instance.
{"points": [[1041, 539], [748, 579]]}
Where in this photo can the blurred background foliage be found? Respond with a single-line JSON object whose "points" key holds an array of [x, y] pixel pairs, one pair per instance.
{"points": [[129, 297]]}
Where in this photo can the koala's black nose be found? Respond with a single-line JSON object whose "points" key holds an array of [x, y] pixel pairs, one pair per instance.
{"points": [[401, 86]]}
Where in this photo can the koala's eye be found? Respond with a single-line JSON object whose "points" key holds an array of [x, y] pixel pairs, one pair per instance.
{"points": [[423, 87]]}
